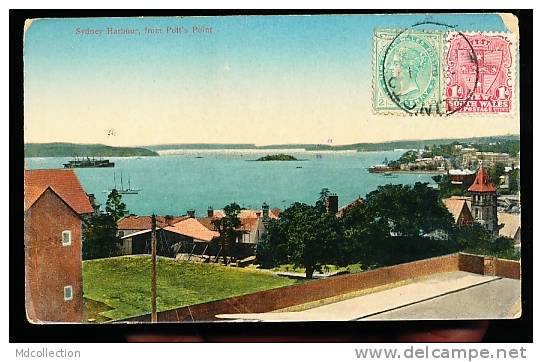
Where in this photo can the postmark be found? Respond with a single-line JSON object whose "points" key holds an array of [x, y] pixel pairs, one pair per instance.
{"points": [[482, 84], [443, 72], [408, 74]]}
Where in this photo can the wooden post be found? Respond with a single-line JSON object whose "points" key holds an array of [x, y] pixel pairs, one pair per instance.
{"points": [[153, 270]]}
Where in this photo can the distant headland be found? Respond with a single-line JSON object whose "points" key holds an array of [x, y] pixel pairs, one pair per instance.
{"points": [[359, 147], [61, 149]]}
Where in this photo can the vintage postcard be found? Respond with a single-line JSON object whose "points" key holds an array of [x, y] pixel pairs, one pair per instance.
{"points": [[272, 168]]}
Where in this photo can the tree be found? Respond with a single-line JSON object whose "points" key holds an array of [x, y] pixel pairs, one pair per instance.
{"points": [[100, 237], [311, 236], [228, 228], [398, 223], [272, 250], [513, 181], [447, 188], [322, 197], [405, 210], [496, 172], [476, 239], [114, 205]]}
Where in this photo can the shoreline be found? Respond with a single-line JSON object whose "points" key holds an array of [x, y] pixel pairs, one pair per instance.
{"points": [[410, 172]]}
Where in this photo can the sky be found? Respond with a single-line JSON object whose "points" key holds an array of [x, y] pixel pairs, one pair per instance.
{"points": [[235, 79]]}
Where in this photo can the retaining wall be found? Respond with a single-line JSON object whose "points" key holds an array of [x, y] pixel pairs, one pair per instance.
{"points": [[307, 292], [284, 297]]}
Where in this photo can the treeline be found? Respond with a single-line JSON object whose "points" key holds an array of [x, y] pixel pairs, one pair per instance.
{"points": [[509, 146], [279, 157], [82, 150], [512, 147], [381, 146], [407, 157], [394, 224]]}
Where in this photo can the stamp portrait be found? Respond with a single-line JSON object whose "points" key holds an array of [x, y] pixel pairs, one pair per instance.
{"points": [[407, 71]]}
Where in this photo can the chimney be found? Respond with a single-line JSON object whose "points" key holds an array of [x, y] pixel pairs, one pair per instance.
{"points": [[332, 204], [168, 220], [91, 198], [191, 213], [210, 211], [265, 210]]}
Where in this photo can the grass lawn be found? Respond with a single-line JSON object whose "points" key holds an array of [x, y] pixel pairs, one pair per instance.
{"points": [[123, 283]]}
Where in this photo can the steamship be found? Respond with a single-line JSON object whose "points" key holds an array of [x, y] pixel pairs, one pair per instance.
{"points": [[87, 162]]}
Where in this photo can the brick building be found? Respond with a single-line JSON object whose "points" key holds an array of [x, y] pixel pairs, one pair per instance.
{"points": [[484, 201], [471, 157], [54, 204]]}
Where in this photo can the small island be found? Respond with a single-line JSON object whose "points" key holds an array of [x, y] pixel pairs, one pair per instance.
{"points": [[279, 157]]}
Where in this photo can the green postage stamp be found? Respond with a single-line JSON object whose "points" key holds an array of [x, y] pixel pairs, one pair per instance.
{"points": [[407, 71]]}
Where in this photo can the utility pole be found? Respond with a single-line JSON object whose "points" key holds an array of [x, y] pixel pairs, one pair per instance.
{"points": [[153, 270]]}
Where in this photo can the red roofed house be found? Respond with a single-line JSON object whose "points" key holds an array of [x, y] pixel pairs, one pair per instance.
{"points": [[510, 226], [54, 204], [484, 201], [252, 222], [459, 208], [171, 238], [134, 223]]}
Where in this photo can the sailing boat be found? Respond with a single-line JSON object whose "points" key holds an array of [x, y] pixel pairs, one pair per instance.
{"points": [[124, 191]]}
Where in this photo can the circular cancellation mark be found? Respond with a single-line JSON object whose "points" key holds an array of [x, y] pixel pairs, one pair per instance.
{"points": [[403, 66]]}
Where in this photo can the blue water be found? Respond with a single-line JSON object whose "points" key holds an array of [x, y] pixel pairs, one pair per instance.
{"points": [[174, 183]]}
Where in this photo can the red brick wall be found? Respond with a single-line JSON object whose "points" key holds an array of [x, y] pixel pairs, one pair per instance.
{"points": [[471, 263], [50, 266], [310, 291], [508, 269], [486, 265]]}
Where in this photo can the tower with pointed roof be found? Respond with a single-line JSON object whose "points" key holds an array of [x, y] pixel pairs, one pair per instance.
{"points": [[484, 200]]}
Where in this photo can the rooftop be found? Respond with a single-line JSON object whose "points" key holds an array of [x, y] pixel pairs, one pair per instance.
{"points": [[65, 184], [194, 229], [455, 205], [186, 226], [247, 223], [342, 211], [511, 224], [460, 172], [482, 183], [143, 222]]}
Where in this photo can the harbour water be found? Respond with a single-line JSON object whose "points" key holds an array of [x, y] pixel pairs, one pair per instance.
{"points": [[179, 180]]}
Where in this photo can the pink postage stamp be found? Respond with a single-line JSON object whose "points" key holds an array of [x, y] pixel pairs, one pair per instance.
{"points": [[480, 73]]}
